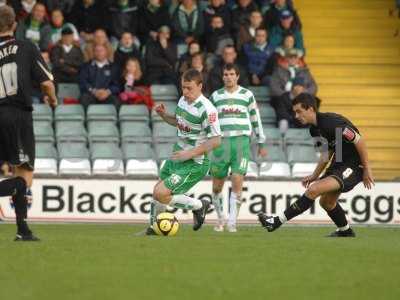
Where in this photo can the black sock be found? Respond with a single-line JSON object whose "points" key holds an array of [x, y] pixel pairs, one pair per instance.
{"points": [[338, 216], [298, 207], [16, 187]]}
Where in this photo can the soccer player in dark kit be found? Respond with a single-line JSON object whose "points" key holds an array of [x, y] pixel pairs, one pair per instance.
{"points": [[348, 166], [20, 65]]}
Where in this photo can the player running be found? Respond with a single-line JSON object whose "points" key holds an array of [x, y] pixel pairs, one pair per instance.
{"points": [[238, 114], [348, 166], [20, 65], [198, 133]]}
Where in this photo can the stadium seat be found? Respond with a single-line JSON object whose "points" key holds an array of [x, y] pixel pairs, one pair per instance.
{"points": [[74, 159], [302, 159], [100, 132], [272, 136], [170, 107], [72, 113], [42, 112], [129, 113], [267, 113], [252, 170], [46, 159], [274, 169], [68, 90], [296, 136], [44, 132], [163, 151], [101, 112], [275, 163], [164, 133], [140, 160], [106, 159], [302, 154], [261, 93], [71, 132], [300, 170], [164, 92], [135, 132]]}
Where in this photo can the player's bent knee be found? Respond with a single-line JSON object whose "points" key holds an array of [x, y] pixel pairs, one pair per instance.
{"points": [[161, 194], [313, 192]]}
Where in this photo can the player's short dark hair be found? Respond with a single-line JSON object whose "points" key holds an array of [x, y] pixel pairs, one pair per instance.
{"points": [[229, 67], [306, 101], [7, 18], [192, 75]]}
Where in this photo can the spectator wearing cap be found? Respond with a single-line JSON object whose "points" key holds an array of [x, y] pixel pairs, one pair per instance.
{"points": [[286, 26], [259, 58], [152, 15], [161, 58], [122, 16], [187, 22], [128, 47], [229, 56], [35, 28], [57, 25], [272, 15], [247, 31], [241, 13], [287, 82], [99, 80], [217, 8], [66, 58]]}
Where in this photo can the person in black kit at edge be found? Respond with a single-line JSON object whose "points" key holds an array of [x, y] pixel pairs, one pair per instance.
{"points": [[348, 167], [20, 64]]}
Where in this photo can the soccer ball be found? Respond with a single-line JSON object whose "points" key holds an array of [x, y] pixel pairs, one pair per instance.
{"points": [[166, 224]]}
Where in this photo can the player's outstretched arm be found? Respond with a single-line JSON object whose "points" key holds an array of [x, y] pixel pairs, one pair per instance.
{"points": [[49, 90], [203, 148], [162, 112], [362, 151], [323, 161]]}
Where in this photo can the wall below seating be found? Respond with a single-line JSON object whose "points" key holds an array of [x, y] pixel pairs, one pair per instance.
{"points": [[128, 201]]}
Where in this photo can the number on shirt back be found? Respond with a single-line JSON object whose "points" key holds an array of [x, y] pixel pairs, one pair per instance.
{"points": [[8, 82]]}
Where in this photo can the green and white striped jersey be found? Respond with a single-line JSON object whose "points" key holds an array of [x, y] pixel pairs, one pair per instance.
{"points": [[197, 121], [238, 113]]}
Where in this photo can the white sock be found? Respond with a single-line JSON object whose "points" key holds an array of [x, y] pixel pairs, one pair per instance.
{"points": [[344, 228], [238, 205], [156, 208], [185, 202], [218, 205], [282, 218], [232, 209]]}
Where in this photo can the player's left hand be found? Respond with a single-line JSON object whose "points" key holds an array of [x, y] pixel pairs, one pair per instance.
{"points": [[368, 180], [262, 151], [182, 155]]}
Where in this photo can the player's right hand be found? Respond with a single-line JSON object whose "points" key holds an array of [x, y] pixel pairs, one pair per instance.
{"points": [[160, 109], [306, 181], [50, 101]]}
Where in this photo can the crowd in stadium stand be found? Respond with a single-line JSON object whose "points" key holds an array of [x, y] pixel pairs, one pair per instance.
{"points": [[115, 48]]}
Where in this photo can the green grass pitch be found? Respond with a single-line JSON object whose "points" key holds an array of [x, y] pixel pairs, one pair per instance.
{"points": [[108, 262]]}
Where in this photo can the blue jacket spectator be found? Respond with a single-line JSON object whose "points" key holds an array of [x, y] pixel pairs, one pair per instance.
{"points": [[99, 80], [286, 26], [259, 58]]}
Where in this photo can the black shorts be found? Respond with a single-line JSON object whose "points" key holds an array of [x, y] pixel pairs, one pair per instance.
{"points": [[17, 140], [347, 175]]}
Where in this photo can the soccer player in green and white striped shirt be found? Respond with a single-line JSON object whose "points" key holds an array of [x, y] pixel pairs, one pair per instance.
{"points": [[198, 133], [238, 116]]}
